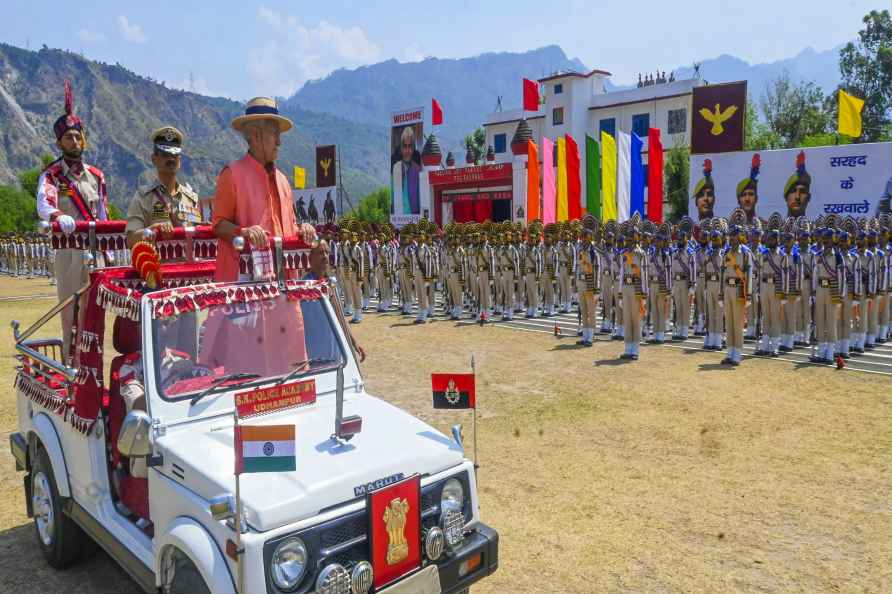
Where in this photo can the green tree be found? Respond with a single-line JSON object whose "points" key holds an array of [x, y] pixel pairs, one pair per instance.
{"points": [[476, 143], [18, 210], [374, 208], [28, 178], [676, 173], [794, 110], [866, 69], [757, 136]]}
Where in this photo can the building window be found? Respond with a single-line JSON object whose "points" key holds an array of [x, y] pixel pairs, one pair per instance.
{"points": [[557, 116], [608, 125], [558, 88], [499, 143], [641, 124], [678, 121]]}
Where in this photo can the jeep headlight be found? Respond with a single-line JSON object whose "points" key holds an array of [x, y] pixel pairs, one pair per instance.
{"points": [[453, 495], [289, 563]]}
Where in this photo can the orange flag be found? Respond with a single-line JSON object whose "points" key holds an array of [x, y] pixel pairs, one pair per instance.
{"points": [[532, 181]]}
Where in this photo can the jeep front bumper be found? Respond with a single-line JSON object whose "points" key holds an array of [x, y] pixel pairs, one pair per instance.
{"points": [[483, 541]]}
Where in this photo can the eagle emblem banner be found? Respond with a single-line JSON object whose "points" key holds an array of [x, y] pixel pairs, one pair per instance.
{"points": [[718, 118]]}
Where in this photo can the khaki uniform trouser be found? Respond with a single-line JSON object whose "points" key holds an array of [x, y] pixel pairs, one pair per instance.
{"points": [[532, 286], [826, 313], [484, 290], [343, 275], [474, 286], [863, 321], [884, 309], [771, 311], [565, 285], [71, 275], [497, 288], [618, 303], [548, 290], [681, 298], [803, 314], [700, 297], [385, 289], [712, 307], [421, 292], [752, 311], [734, 311], [588, 306], [660, 313], [873, 316], [607, 300], [406, 287], [631, 315], [844, 326], [508, 291], [453, 285], [356, 291], [368, 285], [789, 315]]}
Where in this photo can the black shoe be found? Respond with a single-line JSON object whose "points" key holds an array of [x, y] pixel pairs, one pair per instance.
{"points": [[735, 363], [881, 341], [869, 347], [633, 357], [727, 361], [616, 337], [418, 322], [784, 349], [857, 351], [587, 343], [799, 343], [626, 356]]}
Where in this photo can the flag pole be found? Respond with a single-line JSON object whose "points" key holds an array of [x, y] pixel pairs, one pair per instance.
{"points": [[239, 548], [474, 373]]}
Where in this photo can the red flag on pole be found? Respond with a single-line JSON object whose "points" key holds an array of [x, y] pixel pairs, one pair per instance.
{"points": [[654, 176], [453, 390], [436, 113], [530, 95], [574, 208]]}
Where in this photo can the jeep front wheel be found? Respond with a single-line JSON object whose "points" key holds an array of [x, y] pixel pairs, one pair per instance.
{"points": [[61, 540], [186, 578]]}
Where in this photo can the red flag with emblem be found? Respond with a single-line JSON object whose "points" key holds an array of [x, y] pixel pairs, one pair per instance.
{"points": [[453, 390]]}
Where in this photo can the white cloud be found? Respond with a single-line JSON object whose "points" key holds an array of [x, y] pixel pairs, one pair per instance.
{"points": [[131, 31], [87, 36], [413, 53], [294, 53]]}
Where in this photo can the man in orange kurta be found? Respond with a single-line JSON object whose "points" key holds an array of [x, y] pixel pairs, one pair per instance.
{"points": [[253, 198]]}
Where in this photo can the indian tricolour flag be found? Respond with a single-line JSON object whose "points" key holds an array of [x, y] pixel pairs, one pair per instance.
{"points": [[264, 448]]}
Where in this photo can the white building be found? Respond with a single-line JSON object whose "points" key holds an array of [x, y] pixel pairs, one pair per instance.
{"points": [[579, 105]]}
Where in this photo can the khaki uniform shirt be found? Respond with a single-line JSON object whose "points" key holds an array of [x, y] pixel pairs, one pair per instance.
{"points": [[153, 204]]}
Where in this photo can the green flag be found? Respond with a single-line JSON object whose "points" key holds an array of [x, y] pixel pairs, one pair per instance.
{"points": [[592, 177]]}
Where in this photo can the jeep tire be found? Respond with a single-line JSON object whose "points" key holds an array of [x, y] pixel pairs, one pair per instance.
{"points": [[61, 541], [186, 578]]}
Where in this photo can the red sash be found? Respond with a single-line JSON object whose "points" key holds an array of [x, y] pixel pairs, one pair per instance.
{"points": [[76, 198]]}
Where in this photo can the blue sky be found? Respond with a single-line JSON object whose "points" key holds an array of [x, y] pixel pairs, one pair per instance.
{"points": [[242, 49]]}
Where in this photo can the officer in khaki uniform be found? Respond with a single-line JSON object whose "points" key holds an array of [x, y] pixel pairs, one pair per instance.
{"points": [[165, 203]]}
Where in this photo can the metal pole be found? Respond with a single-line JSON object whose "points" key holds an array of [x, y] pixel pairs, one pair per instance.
{"points": [[474, 372], [239, 548]]}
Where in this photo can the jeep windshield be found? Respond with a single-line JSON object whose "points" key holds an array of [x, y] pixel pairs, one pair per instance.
{"points": [[242, 344]]}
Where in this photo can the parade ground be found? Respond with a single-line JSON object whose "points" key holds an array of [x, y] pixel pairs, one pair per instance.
{"points": [[670, 474]]}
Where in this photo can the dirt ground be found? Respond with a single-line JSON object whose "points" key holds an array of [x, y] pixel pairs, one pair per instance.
{"points": [[671, 474]]}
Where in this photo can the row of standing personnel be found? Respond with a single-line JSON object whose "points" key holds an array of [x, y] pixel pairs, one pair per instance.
{"points": [[788, 284]]}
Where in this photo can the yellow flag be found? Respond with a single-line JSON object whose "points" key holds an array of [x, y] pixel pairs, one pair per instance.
{"points": [[300, 178], [849, 114], [562, 204], [608, 176]]}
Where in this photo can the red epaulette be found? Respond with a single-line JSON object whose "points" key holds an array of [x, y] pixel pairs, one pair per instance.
{"points": [[97, 172]]}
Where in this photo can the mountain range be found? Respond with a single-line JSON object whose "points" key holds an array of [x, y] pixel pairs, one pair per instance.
{"points": [[350, 108]]}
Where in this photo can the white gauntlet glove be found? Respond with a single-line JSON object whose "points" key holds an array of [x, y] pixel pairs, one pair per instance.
{"points": [[66, 223]]}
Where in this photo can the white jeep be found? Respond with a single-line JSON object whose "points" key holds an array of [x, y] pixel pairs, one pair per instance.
{"points": [[152, 479]]}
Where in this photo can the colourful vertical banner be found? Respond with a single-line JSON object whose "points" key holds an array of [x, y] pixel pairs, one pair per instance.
{"points": [[548, 190], [654, 176], [561, 179], [574, 208], [623, 176], [532, 181], [608, 176], [592, 177], [636, 194]]}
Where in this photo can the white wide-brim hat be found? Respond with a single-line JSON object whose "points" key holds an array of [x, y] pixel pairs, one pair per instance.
{"points": [[262, 108]]}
